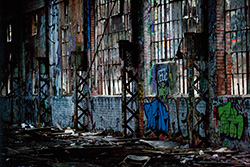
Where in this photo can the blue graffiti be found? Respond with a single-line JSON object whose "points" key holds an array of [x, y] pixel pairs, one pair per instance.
{"points": [[88, 24], [73, 39], [58, 56], [157, 115]]}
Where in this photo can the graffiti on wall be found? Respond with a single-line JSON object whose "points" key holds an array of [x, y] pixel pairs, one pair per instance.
{"points": [[230, 114], [157, 115], [163, 79], [173, 116], [55, 61], [169, 118], [246, 106], [183, 113], [231, 117], [231, 121]]}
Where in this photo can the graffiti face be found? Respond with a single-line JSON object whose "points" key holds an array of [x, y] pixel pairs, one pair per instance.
{"points": [[157, 115], [164, 79]]}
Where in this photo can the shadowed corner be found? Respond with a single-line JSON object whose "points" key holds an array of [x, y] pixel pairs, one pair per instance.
{"points": [[1, 141], [1, 54]]}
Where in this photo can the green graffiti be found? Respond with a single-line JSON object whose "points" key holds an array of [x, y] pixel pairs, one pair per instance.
{"points": [[163, 91], [231, 122]]}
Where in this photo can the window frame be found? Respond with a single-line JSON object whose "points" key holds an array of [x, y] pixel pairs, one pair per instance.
{"points": [[108, 62], [237, 47]]}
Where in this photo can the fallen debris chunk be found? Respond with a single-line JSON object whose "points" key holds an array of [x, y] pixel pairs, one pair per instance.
{"points": [[69, 131], [135, 159], [161, 144], [223, 149], [215, 156], [58, 126], [201, 152]]}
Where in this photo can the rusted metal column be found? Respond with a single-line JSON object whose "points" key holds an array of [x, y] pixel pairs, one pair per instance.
{"points": [[81, 75], [44, 109], [122, 52], [137, 10], [190, 83]]}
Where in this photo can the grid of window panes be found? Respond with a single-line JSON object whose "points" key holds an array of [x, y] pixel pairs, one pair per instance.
{"points": [[169, 21], [116, 18], [66, 68], [237, 46], [166, 28]]}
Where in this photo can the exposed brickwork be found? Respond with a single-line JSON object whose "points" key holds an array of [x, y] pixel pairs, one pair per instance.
{"points": [[92, 39], [221, 90]]}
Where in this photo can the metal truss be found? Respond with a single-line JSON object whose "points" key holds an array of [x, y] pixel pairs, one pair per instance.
{"points": [[130, 101], [197, 77], [44, 109], [81, 90]]}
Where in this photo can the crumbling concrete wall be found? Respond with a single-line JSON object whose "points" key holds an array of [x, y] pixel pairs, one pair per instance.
{"points": [[62, 111], [107, 112]]}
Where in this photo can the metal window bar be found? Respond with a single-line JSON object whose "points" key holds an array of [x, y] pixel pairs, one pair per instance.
{"points": [[237, 46], [169, 24], [118, 28]]}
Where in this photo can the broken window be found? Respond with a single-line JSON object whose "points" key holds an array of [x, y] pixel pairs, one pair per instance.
{"points": [[113, 23], [35, 77], [237, 46], [66, 67], [9, 33], [66, 13], [34, 24], [168, 22], [8, 90]]}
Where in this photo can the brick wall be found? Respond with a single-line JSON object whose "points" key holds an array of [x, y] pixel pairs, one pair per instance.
{"points": [[221, 90]]}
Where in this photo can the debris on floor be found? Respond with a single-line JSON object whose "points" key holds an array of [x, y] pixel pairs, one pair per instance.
{"points": [[25, 145]]}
